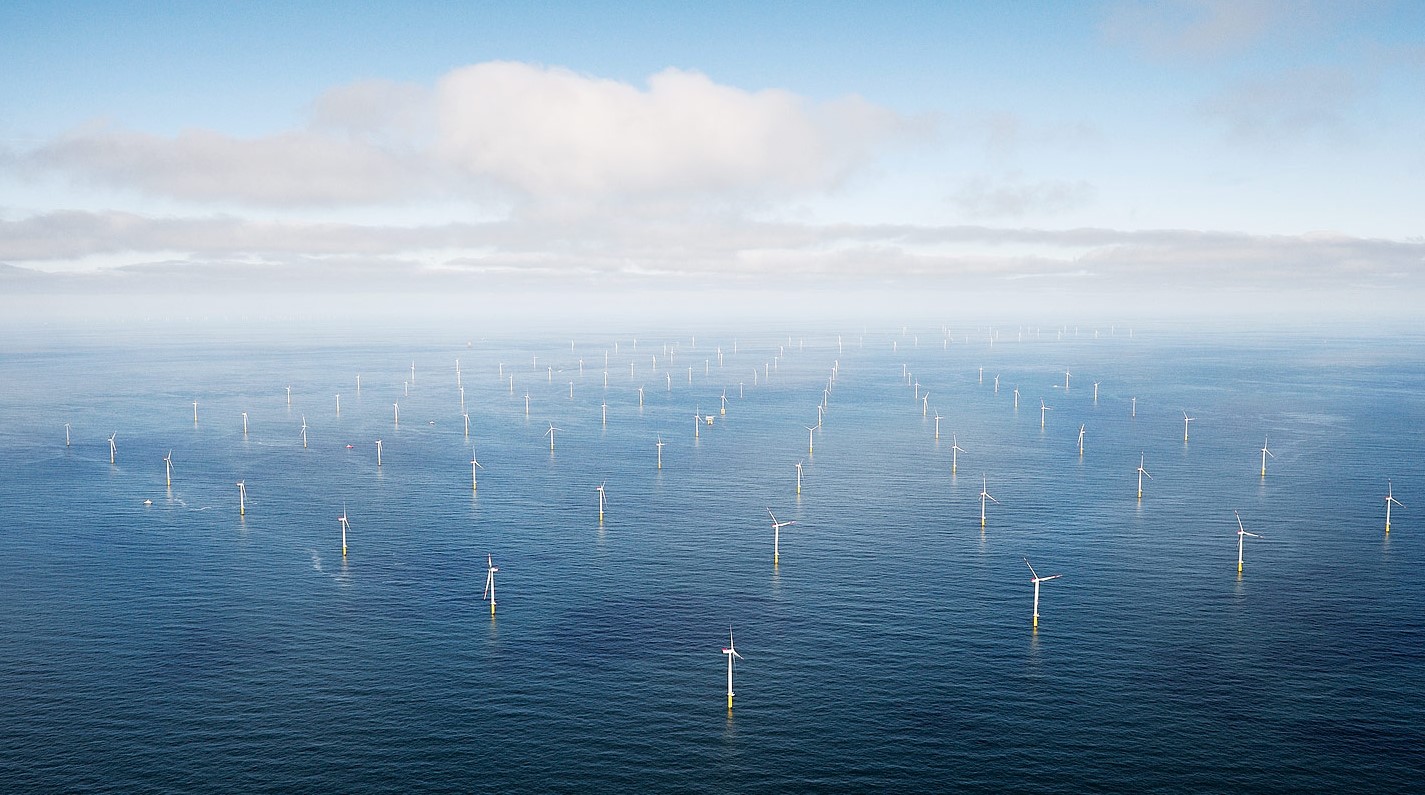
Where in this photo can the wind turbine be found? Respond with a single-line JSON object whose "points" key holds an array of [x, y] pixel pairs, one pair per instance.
{"points": [[660, 452], [304, 432], [600, 490], [195, 412], [168, 468], [640, 398], [937, 425], [1042, 409], [1081, 441], [1241, 533], [338, 404], [1389, 498], [1141, 473], [1133, 412], [697, 423], [396, 409], [490, 569], [799, 477], [550, 434], [66, 434], [1016, 398], [474, 465], [731, 652], [1036, 579], [955, 451], [985, 495], [345, 525], [1066, 380], [289, 396], [1095, 393], [378, 453], [1265, 453], [1186, 420], [113, 449], [244, 423], [777, 536], [242, 497], [811, 435]]}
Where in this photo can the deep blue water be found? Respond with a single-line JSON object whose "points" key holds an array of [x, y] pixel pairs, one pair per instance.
{"points": [[179, 647]]}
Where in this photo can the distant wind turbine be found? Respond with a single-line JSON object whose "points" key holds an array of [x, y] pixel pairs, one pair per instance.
{"points": [[1186, 420], [345, 525], [955, 450], [731, 652], [1389, 498], [168, 468], [1141, 473], [474, 465], [777, 536], [490, 569], [242, 498], [1036, 579], [1265, 453], [1241, 533], [985, 495], [113, 449]]}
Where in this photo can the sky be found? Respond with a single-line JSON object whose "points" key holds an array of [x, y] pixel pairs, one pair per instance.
{"points": [[1049, 162]]}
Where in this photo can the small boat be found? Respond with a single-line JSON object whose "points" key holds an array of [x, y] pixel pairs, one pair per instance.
{"points": [[351, 447]]}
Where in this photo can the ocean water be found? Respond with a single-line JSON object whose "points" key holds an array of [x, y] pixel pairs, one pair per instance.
{"points": [[181, 647]]}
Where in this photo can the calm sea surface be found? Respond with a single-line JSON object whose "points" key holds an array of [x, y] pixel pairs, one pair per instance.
{"points": [[180, 647]]}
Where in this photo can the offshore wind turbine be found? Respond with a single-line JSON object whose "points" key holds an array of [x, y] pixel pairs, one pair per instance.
{"points": [[242, 497], [66, 434], [474, 465], [1389, 498], [490, 569], [1241, 533], [1036, 579], [799, 478], [304, 432], [937, 425], [777, 536], [289, 396], [396, 409], [955, 451], [697, 423], [731, 652], [1186, 420], [168, 469], [378, 453], [1141, 473], [600, 490], [1265, 453], [1081, 440], [1095, 393], [985, 495], [1066, 379], [1016, 398], [195, 412], [345, 525], [1042, 409], [244, 423], [660, 452], [113, 449], [550, 434], [811, 436]]}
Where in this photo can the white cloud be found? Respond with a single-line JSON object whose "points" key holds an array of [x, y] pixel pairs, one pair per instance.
{"points": [[546, 135], [1303, 103], [1204, 28], [983, 197], [550, 132]]}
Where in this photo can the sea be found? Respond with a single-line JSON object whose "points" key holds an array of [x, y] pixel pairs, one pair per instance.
{"points": [[159, 638]]}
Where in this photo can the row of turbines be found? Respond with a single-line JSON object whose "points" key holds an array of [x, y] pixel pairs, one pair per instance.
{"points": [[701, 421]]}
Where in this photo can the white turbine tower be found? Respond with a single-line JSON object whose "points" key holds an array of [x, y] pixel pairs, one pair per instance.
{"points": [[168, 468], [1265, 453], [1036, 579], [1241, 533], [1141, 473], [345, 525], [113, 449], [1186, 420], [1042, 409], [955, 451], [490, 569], [600, 490], [777, 536], [550, 434], [731, 652], [1081, 440], [799, 477], [474, 465], [242, 498], [985, 495], [660, 452], [1389, 498]]}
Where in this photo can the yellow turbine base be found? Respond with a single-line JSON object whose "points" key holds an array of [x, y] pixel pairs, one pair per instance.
{"points": [[1239, 567], [343, 551], [492, 611], [1036, 622]]}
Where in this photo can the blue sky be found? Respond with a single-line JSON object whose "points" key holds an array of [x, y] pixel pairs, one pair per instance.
{"points": [[1148, 150]]}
